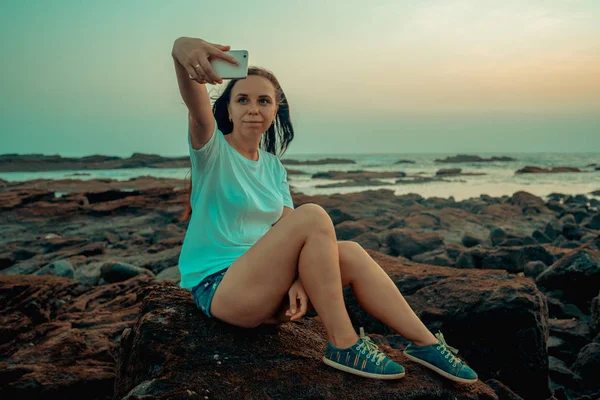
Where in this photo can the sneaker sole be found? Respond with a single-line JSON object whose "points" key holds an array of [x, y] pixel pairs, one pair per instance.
{"points": [[361, 373], [439, 371]]}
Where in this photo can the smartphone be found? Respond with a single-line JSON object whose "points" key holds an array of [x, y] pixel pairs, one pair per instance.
{"points": [[227, 70]]}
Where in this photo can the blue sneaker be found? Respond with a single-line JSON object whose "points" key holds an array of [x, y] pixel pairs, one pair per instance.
{"points": [[441, 358], [364, 359]]}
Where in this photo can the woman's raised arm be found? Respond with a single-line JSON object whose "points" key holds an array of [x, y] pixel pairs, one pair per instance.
{"points": [[193, 70]]}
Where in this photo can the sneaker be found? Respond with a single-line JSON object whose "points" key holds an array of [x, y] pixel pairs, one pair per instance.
{"points": [[441, 358], [364, 359]]}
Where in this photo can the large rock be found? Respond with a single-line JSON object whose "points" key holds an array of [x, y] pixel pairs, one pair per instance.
{"points": [[512, 259], [57, 336], [491, 316], [577, 275], [350, 229], [407, 243], [587, 364], [175, 352]]}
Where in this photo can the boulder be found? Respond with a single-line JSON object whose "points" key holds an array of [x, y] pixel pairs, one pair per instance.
{"points": [[587, 365], [350, 229], [470, 241], [408, 243], [169, 274], [576, 274], [490, 316], [117, 271], [533, 268], [57, 337], [175, 352], [497, 236], [512, 259], [58, 268]]}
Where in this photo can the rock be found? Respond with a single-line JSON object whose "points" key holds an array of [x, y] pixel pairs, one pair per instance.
{"points": [[577, 275], [533, 268], [118, 272], [435, 257], [559, 241], [501, 310], [560, 372], [529, 169], [171, 274], [58, 268], [580, 213], [470, 241], [593, 222], [368, 240], [282, 362], [560, 310], [462, 158], [511, 242], [587, 365], [575, 334], [567, 219], [58, 337], [553, 229], [318, 162], [527, 200], [350, 229], [540, 237], [503, 391], [448, 171], [497, 236], [338, 215], [573, 232], [512, 259], [88, 274], [578, 199], [408, 243]]}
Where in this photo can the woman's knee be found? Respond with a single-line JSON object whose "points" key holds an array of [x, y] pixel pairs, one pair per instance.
{"points": [[348, 250], [315, 217]]}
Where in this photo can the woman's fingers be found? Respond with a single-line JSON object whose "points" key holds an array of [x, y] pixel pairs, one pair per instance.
{"points": [[226, 57], [293, 294], [210, 75], [192, 73], [302, 310]]}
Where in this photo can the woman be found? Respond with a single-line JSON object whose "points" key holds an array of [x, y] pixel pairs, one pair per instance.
{"points": [[247, 250]]}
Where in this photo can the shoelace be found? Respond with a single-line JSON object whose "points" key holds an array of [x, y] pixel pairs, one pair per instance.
{"points": [[367, 344], [445, 347]]}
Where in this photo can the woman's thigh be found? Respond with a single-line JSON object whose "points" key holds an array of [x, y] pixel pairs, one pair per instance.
{"points": [[254, 285]]}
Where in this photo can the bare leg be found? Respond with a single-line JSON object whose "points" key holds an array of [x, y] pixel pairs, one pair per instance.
{"points": [[379, 296], [319, 271]]}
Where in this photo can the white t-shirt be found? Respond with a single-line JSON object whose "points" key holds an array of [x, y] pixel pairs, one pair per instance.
{"points": [[234, 202]]}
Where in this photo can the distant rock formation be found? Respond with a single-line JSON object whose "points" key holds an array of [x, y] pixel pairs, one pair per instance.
{"points": [[319, 162], [41, 162], [529, 169], [463, 158]]}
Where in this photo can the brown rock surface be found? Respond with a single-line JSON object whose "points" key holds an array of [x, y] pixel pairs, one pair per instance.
{"points": [[174, 352], [57, 336]]}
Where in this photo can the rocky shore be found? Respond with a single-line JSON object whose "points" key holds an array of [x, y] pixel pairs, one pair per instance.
{"points": [[90, 306]]}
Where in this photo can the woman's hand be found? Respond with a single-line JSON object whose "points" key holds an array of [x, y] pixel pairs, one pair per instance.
{"points": [[298, 301], [194, 54]]}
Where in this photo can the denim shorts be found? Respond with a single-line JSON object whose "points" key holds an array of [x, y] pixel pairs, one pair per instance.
{"points": [[205, 290]]}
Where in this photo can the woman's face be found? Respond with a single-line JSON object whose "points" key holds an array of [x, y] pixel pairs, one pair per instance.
{"points": [[252, 106]]}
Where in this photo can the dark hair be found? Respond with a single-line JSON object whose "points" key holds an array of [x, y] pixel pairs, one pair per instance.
{"points": [[275, 140]]}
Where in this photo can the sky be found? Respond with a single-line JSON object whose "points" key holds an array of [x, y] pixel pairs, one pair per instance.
{"points": [[428, 76]]}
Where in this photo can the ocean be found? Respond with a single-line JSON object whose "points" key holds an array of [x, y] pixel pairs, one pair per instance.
{"points": [[499, 179]]}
